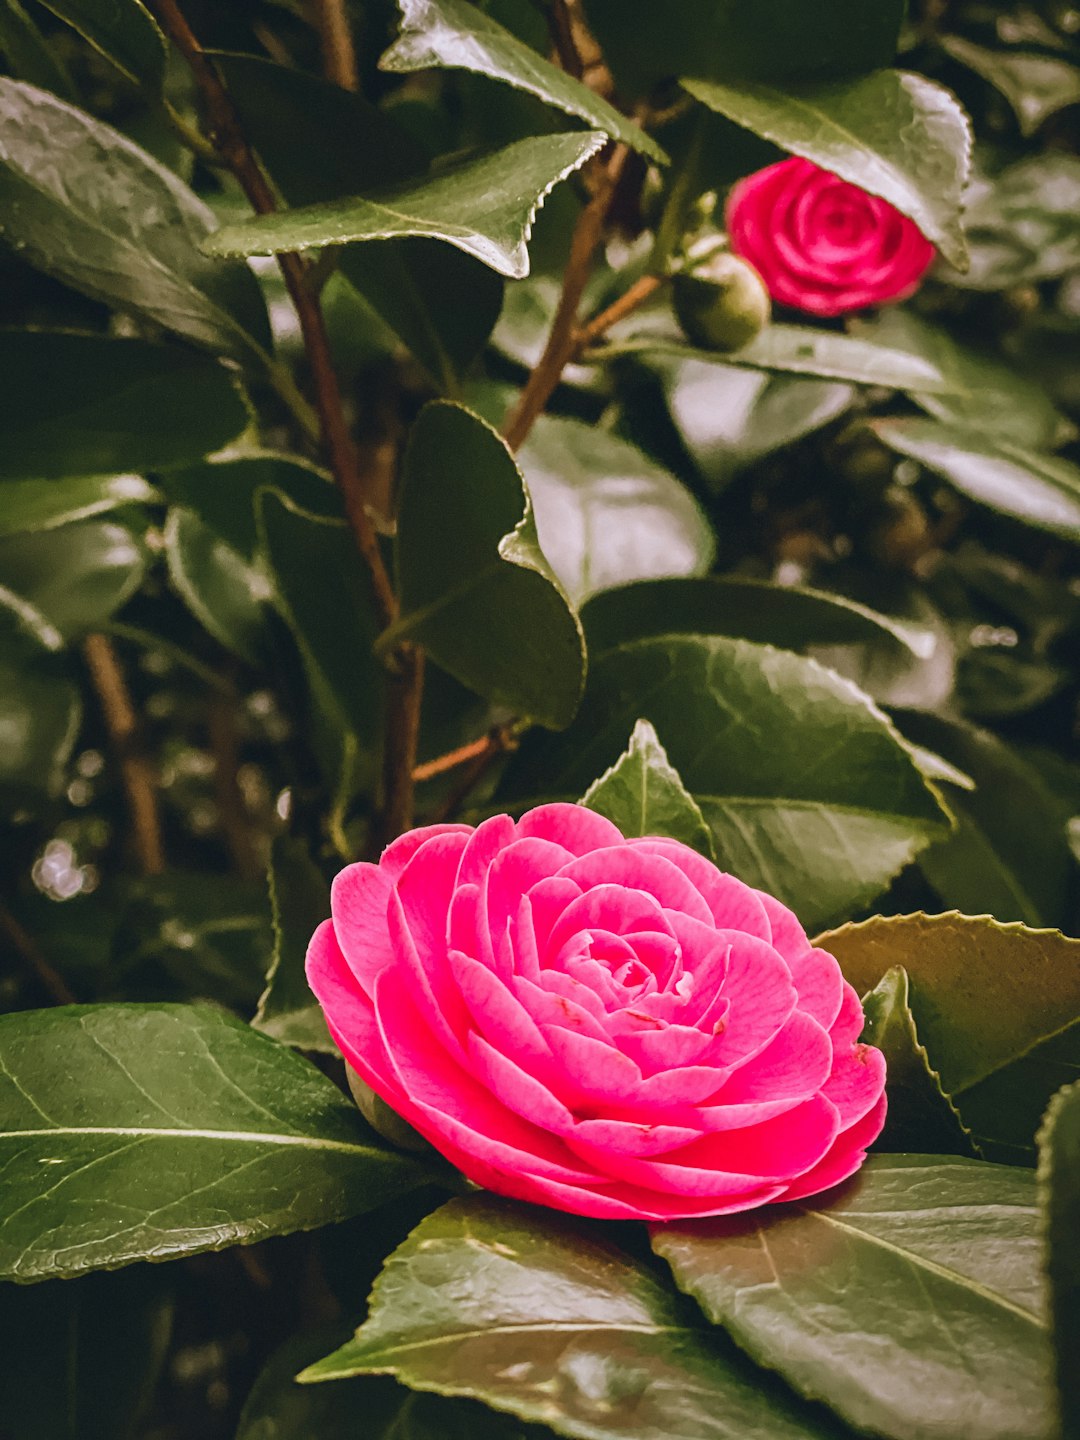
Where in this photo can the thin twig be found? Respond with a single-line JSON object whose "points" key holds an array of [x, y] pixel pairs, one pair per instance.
{"points": [[27, 947], [335, 37], [442, 763], [122, 725], [405, 689], [562, 337], [561, 27], [640, 291]]}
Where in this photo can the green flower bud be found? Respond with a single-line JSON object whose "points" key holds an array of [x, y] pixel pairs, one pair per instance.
{"points": [[722, 303]]}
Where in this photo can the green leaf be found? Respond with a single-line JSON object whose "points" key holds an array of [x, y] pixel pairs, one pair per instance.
{"points": [[83, 1357], [459, 36], [643, 794], [739, 721], [1036, 86], [996, 1007], [485, 207], [921, 1116], [68, 581], [475, 588], [32, 505], [792, 617], [1041, 490], [985, 393], [605, 513], [83, 203], [223, 592], [123, 31], [1021, 224], [440, 302], [911, 1301], [300, 901], [777, 40], [1007, 856], [40, 715], [1059, 1195], [729, 417], [164, 1130], [537, 1315], [93, 404], [894, 134], [29, 55]]}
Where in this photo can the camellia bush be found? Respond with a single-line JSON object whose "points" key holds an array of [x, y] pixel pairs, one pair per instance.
{"points": [[513, 516]]}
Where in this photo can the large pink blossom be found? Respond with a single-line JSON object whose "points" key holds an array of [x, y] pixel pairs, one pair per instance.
{"points": [[607, 1026], [821, 244]]}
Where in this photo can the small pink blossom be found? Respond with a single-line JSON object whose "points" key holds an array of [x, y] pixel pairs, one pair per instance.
{"points": [[821, 244], [607, 1026]]}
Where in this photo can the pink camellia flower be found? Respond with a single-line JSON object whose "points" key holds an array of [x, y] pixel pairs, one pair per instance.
{"points": [[607, 1026], [821, 244]]}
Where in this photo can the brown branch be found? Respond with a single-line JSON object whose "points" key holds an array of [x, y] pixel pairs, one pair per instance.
{"points": [[136, 771], [335, 38], [562, 338], [561, 27], [641, 290], [26, 946], [405, 690]]}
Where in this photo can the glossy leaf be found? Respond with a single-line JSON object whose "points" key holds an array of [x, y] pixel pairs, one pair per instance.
{"points": [[606, 514], [1021, 224], [40, 714], [739, 722], [222, 591], [93, 404], [921, 1116], [996, 1008], [440, 302], [643, 794], [32, 505], [123, 31], [910, 1300], [1036, 86], [86, 205], [1059, 1194], [165, 1130], [985, 394], [29, 54], [537, 1315], [71, 580], [458, 36], [476, 590], [1041, 490], [299, 901], [1007, 856], [484, 207], [895, 134], [777, 40]]}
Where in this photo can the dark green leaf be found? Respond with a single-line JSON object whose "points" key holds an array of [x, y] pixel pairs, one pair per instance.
{"points": [[895, 134], [476, 591], [778, 40], [985, 393], [537, 1315], [643, 794], [165, 1130], [300, 901], [83, 203], [1021, 225], [996, 1007], [605, 513], [93, 404], [29, 55], [1042, 490], [222, 591], [921, 1116], [1008, 856], [459, 36], [82, 1357], [440, 302], [455, 206], [68, 581], [30, 505], [1059, 1193], [911, 1301], [809, 792], [40, 713], [123, 30], [1036, 86]]}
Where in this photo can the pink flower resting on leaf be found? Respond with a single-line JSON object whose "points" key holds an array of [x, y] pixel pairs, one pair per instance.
{"points": [[821, 244], [607, 1026]]}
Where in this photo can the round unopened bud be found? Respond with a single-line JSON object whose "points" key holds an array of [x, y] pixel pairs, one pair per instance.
{"points": [[721, 303]]}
